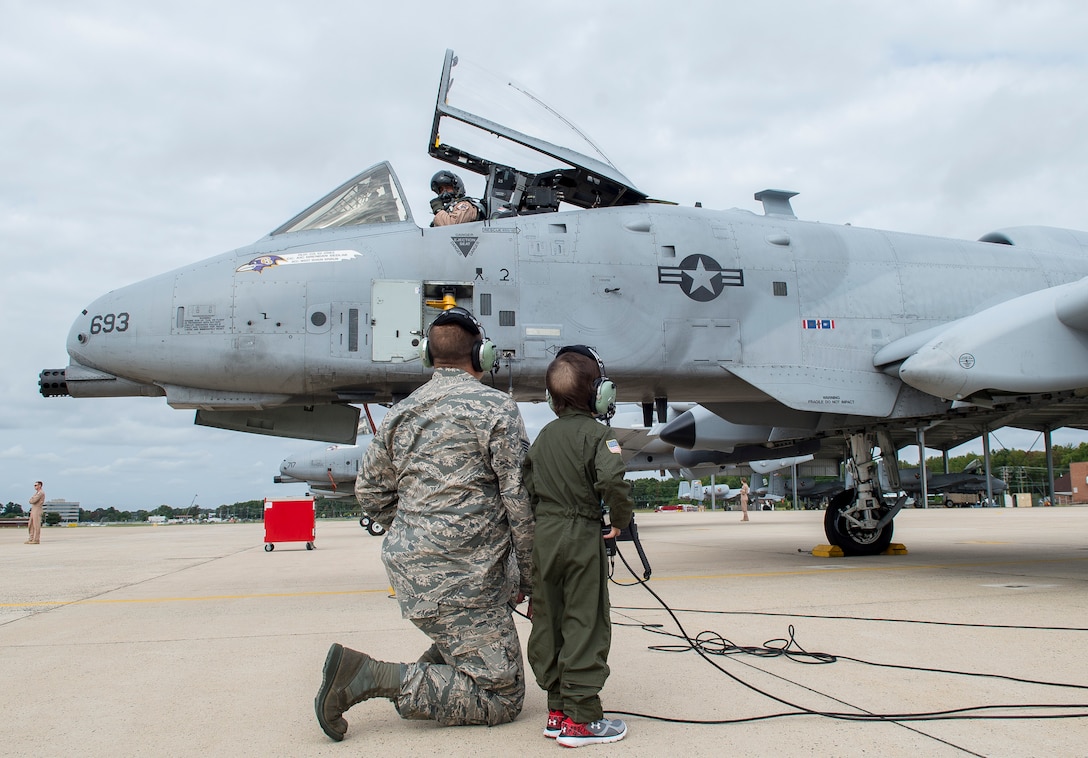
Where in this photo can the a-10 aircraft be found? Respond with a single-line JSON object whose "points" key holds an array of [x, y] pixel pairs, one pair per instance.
{"points": [[797, 333], [330, 471], [696, 490], [968, 481]]}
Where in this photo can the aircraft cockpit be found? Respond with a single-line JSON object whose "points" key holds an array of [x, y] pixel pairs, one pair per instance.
{"points": [[533, 174], [529, 174]]}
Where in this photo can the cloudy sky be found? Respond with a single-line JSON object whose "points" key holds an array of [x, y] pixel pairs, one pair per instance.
{"points": [[138, 137]]}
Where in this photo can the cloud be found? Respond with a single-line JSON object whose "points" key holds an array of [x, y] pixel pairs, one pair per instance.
{"points": [[139, 138]]}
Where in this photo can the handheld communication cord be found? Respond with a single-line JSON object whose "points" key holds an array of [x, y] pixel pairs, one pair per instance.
{"points": [[707, 644], [627, 534]]}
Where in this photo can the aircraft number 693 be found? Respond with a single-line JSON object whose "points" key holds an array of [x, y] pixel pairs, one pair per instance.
{"points": [[109, 323]]}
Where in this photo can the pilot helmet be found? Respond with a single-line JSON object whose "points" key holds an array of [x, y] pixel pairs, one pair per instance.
{"points": [[447, 179]]}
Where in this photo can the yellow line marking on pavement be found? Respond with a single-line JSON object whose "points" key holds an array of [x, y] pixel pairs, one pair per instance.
{"points": [[822, 569]]}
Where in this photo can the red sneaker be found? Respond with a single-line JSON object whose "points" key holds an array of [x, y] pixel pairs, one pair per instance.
{"points": [[555, 724]]}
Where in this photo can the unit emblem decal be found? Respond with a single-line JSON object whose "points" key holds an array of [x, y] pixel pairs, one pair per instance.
{"points": [[262, 262]]}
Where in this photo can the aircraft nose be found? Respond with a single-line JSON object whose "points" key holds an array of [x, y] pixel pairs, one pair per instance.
{"points": [[122, 331], [96, 332]]}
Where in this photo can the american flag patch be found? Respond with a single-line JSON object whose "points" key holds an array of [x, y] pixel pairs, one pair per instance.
{"points": [[817, 323], [614, 447]]}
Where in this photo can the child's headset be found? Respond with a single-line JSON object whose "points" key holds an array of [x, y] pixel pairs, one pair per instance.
{"points": [[484, 353], [602, 399]]}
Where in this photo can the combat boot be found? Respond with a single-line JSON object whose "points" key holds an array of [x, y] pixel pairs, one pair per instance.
{"points": [[350, 677]]}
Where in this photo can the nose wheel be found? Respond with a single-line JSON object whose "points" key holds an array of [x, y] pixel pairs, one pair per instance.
{"points": [[857, 520], [855, 529]]}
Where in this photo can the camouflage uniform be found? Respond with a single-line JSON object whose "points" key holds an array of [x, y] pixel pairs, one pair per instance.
{"points": [[443, 476], [573, 466]]}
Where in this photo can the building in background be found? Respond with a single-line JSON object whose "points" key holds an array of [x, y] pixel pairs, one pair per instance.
{"points": [[68, 511]]}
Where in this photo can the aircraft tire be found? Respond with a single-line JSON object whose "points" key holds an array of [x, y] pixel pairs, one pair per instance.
{"points": [[853, 542], [269, 547], [364, 522], [375, 528]]}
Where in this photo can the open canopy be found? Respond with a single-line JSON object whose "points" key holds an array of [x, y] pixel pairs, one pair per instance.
{"points": [[540, 174]]}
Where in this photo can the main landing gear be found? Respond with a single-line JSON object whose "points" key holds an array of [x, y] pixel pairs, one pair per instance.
{"points": [[858, 521], [372, 526]]}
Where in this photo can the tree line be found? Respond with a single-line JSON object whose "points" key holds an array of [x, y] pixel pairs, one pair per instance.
{"points": [[1028, 465], [249, 510]]}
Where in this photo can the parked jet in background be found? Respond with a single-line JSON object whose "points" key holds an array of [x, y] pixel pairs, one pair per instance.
{"points": [[797, 333], [811, 492], [329, 472], [968, 481], [695, 490]]}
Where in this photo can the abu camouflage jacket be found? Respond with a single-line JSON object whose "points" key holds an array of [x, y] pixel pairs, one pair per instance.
{"points": [[443, 475]]}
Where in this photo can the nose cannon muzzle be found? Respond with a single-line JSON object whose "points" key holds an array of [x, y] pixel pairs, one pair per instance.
{"points": [[52, 382]]}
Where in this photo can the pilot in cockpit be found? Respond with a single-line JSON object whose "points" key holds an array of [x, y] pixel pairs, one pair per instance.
{"points": [[451, 206]]}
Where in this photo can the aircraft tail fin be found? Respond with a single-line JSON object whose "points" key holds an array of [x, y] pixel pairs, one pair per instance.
{"points": [[692, 490]]}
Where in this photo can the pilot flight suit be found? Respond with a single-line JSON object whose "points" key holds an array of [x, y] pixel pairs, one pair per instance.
{"points": [[34, 526], [443, 475], [573, 466], [459, 211]]}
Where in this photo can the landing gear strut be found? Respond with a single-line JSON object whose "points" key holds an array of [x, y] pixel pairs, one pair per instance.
{"points": [[858, 521]]}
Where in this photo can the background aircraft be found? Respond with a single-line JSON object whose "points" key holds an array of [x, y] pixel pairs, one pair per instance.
{"points": [[811, 492], [695, 490], [330, 470], [969, 481], [797, 334]]}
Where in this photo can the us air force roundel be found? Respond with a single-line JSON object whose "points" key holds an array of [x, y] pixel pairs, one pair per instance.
{"points": [[700, 277]]}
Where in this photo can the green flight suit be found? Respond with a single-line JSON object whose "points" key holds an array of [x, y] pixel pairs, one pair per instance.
{"points": [[573, 466]]}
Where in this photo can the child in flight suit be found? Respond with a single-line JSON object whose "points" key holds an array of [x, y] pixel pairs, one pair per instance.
{"points": [[573, 467]]}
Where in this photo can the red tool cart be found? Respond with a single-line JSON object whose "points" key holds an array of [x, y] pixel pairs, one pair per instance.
{"points": [[289, 520]]}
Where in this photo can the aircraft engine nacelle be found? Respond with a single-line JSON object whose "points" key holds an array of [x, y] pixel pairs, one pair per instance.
{"points": [[743, 454], [1007, 347], [699, 428]]}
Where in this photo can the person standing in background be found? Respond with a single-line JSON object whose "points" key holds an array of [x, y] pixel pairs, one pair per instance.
{"points": [[36, 507]]}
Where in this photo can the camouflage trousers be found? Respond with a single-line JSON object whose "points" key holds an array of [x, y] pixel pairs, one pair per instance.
{"points": [[483, 678]]}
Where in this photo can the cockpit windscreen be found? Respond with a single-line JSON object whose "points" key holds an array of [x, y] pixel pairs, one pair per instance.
{"points": [[373, 197]]}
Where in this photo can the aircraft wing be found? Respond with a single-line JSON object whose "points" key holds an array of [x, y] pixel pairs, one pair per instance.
{"points": [[766, 466]]}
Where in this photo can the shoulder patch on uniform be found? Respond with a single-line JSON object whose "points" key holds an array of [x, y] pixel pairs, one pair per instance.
{"points": [[614, 447]]}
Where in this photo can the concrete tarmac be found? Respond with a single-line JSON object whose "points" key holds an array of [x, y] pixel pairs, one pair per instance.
{"points": [[194, 641]]}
